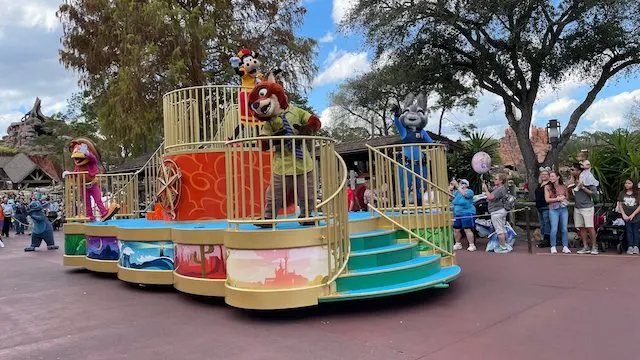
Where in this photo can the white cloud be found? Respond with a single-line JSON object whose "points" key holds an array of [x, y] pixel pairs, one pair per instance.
{"points": [[340, 9], [560, 106], [610, 113], [29, 14], [341, 65], [329, 37]]}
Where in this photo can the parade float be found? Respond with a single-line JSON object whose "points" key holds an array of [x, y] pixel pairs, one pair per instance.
{"points": [[206, 230]]}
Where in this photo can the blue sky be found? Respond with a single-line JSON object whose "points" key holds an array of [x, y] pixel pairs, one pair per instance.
{"points": [[30, 39]]}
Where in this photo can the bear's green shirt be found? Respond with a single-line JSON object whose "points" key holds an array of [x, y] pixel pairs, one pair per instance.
{"points": [[283, 159]]}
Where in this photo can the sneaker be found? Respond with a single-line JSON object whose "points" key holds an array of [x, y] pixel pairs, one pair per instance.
{"points": [[636, 251], [1, 244], [584, 251], [630, 250], [457, 246], [473, 248], [29, 248], [594, 251], [502, 250], [553, 250], [565, 250]]}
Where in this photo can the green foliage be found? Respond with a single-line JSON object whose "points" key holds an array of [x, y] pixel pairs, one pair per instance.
{"points": [[459, 161], [75, 244], [365, 101], [616, 160], [129, 53], [510, 48]]}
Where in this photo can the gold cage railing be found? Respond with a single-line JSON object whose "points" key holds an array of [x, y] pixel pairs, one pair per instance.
{"points": [[74, 192], [411, 180], [122, 189], [205, 117], [276, 188], [150, 172]]}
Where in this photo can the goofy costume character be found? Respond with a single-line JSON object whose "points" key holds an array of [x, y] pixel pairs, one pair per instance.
{"points": [[268, 101], [86, 159], [410, 124]]}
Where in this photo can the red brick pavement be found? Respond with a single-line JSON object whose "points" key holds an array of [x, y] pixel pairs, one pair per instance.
{"points": [[513, 306]]}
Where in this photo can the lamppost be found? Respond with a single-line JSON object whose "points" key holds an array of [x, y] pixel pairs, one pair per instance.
{"points": [[553, 134]]}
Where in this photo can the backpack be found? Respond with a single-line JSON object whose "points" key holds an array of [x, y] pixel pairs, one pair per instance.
{"points": [[509, 202]]}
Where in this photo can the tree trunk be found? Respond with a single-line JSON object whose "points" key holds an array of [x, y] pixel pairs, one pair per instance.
{"points": [[521, 128], [440, 122]]}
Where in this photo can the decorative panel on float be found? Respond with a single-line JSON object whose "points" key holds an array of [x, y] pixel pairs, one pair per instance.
{"points": [[204, 185], [102, 248], [201, 261], [146, 255], [277, 269]]}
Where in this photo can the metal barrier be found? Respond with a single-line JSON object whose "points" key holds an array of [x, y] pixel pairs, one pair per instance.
{"points": [[206, 116], [411, 180], [262, 184]]}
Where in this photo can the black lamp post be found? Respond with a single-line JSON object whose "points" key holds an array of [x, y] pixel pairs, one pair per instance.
{"points": [[553, 133]]}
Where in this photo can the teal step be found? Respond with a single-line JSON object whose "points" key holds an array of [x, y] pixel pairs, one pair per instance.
{"points": [[400, 272], [381, 256], [372, 239], [439, 279]]}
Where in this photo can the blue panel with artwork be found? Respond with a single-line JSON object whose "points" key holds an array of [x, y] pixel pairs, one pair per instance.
{"points": [[146, 255]]}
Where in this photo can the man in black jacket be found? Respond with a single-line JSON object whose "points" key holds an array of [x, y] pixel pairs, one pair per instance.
{"points": [[543, 208]]}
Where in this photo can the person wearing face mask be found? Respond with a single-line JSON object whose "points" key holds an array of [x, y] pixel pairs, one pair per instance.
{"points": [[463, 212], [556, 196], [543, 207]]}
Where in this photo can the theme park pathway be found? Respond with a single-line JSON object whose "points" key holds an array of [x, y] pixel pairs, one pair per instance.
{"points": [[515, 306]]}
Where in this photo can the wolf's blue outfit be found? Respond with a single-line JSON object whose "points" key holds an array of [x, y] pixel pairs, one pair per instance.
{"points": [[42, 229], [413, 157]]}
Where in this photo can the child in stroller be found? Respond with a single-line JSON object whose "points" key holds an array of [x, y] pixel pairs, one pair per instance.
{"points": [[611, 234]]}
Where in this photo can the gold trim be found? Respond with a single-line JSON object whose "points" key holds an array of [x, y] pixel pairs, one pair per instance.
{"points": [[152, 234], [151, 277], [102, 231], [198, 286], [447, 261], [272, 299], [74, 260], [434, 220], [104, 266], [169, 152], [274, 239], [364, 225], [198, 236], [73, 228]]}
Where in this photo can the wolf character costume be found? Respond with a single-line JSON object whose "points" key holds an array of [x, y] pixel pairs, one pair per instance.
{"points": [[410, 123]]}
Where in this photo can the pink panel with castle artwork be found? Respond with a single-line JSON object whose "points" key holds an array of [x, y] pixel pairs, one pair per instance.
{"points": [[200, 261], [277, 269]]}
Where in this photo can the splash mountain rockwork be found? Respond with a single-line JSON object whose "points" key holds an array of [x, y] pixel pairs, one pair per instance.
{"points": [[21, 135]]}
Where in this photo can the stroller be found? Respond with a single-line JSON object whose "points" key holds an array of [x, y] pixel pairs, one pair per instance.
{"points": [[612, 234]]}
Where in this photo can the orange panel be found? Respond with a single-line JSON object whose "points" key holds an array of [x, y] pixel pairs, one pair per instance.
{"points": [[246, 116], [204, 184]]}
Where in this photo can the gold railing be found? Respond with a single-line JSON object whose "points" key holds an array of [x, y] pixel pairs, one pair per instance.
{"points": [[205, 117], [259, 187], [411, 180], [74, 202], [121, 188], [150, 171]]}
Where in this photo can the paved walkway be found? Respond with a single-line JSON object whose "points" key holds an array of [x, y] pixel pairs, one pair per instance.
{"points": [[515, 306]]}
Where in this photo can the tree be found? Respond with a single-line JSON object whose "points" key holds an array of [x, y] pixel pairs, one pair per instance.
{"points": [[366, 100], [634, 116], [510, 48], [129, 53], [459, 161]]}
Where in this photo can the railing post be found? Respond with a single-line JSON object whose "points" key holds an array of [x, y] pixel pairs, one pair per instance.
{"points": [[526, 219]]}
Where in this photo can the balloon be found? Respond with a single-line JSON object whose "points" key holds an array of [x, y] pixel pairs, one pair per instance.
{"points": [[481, 162]]}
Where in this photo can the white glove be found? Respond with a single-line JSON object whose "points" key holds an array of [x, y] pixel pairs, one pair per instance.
{"points": [[235, 61], [65, 173]]}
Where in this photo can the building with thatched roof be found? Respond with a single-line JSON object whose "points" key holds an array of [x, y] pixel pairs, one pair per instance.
{"points": [[19, 171]]}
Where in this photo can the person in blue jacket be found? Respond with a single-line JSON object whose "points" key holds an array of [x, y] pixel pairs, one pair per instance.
{"points": [[410, 125], [463, 212], [42, 229]]}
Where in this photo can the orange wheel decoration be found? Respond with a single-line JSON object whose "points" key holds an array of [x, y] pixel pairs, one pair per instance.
{"points": [[169, 185]]}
